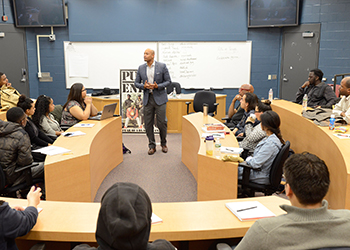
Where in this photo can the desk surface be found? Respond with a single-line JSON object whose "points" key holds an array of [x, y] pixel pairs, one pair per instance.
{"points": [[304, 135], [76, 221], [3, 115], [76, 176]]}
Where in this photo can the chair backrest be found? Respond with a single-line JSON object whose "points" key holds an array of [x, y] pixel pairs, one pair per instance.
{"points": [[204, 96], [2, 179], [171, 87], [277, 165]]}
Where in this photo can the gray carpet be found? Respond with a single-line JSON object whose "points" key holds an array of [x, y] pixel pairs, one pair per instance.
{"points": [[163, 176]]}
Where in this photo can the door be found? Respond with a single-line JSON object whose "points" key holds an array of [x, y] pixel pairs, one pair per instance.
{"points": [[300, 51], [13, 53]]}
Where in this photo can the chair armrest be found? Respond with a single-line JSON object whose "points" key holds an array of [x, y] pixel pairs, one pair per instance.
{"points": [[240, 138], [246, 172], [226, 119], [20, 169], [188, 106], [216, 109]]}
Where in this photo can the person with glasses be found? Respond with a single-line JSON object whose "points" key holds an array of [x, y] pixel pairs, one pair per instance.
{"points": [[78, 107], [236, 113], [308, 223], [254, 134], [15, 147]]}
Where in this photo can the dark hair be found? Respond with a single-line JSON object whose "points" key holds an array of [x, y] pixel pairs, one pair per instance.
{"points": [[318, 73], [308, 177], [24, 103], [264, 106], [271, 121], [251, 99], [15, 114], [42, 108], [1, 74], [75, 94]]}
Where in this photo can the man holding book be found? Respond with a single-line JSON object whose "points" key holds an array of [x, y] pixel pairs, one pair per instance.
{"points": [[308, 224]]}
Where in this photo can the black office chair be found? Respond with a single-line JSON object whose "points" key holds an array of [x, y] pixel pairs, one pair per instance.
{"points": [[171, 87], [12, 190], [204, 97], [249, 188]]}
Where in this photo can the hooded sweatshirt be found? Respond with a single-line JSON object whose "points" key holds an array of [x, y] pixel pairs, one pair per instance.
{"points": [[124, 221], [15, 149]]}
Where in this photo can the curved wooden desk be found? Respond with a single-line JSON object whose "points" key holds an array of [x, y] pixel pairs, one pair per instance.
{"points": [[182, 221], [304, 135], [3, 115], [216, 179], [76, 176], [176, 108]]}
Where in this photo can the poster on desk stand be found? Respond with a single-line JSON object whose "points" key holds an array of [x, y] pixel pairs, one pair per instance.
{"points": [[131, 103]]}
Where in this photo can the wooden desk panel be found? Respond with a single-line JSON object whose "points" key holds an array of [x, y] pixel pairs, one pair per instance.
{"points": [[76, 176], [304, 135], [3, 115], [215, 179], [182, 221], [176, 108]]}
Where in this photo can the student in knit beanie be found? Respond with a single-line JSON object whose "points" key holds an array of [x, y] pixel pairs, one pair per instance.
{"points": [[124, 221]]}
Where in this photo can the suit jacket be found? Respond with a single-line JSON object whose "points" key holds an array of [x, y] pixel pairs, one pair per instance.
{"points": [[161, 77]]}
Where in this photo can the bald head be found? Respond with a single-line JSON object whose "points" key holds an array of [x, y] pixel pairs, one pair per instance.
{"points": [[346, 80], [245, 88], [148, 56], [345, 86]]}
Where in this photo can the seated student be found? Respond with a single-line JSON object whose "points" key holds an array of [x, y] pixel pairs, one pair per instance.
{"points": [[15, 148], [17, 221], [43, 119], [248, 103], [266, 150], [254, 134], [318, 92], [236, 114], [308, 224], [9, 94], [78, 107], [342, 108], [124, 221], [37, 137]]}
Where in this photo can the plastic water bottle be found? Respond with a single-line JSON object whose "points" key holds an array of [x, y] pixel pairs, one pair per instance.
{"points": [[331, 122], [217, 148], [209, 144], [174, 92], [305, 99], [270, 95]]}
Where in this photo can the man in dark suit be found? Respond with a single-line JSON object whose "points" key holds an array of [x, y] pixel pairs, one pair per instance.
{"points": [[153, 78]]}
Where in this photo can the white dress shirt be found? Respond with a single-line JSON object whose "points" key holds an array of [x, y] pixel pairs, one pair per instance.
{"points": [[343, 106]]}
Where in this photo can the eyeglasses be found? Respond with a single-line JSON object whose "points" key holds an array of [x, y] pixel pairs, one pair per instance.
{"points": [[83, 90], [240, 89]]}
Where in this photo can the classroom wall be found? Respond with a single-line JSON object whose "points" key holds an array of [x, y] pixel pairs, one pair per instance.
{"points": [[217, 18]]}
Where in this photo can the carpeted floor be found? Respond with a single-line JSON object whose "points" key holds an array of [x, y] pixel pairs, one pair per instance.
{"points": [[163, 176]]}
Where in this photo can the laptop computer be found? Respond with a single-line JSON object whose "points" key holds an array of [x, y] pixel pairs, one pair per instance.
{"points": [[107, 112]]}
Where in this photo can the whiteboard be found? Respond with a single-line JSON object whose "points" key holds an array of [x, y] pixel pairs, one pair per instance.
{"points": [[207, 64], [98, 64], [192, 64]]}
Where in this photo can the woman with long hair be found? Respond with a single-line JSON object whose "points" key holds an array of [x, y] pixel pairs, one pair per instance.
{"points": [[248, 103], [43, 119], [78, 107], [37, 137], [266, 150], [254, 134]]}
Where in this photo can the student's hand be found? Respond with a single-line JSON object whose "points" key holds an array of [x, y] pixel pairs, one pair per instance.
{"points": [[238, 97], [240, 134], [88, 100], [8, 84], [342, 114], [307, 83], [18, 208], [33, 196]]}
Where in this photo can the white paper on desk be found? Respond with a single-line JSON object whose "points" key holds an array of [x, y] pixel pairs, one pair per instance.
{"points": [[84, 125], [214, 134], [156, 219], [343, 136], [231, 150], [52, 150], [249, 210], [78, 65], [73, 133]]}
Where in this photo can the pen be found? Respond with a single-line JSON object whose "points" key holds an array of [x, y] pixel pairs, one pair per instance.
{"points": [[248, 208]]}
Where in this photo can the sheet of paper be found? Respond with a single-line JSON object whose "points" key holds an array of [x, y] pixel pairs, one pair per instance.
{"points": [[249, 210], [155, 219], [73, 133], [343, 136], [231, 150], [52, 150], [84, 125]]}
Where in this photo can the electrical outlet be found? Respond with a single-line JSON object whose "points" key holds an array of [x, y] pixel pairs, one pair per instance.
{"points": [[269, 77]]}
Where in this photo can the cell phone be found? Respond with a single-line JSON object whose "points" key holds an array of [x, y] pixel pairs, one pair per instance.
{"points": [[68, 134]]}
